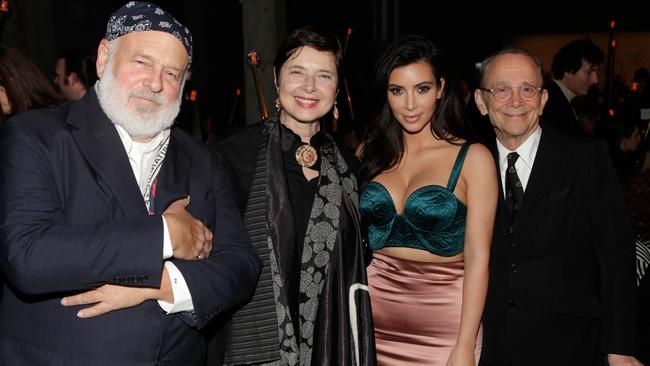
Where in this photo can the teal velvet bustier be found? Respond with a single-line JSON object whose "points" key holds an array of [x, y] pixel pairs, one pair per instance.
{"points": [[433, 218]]}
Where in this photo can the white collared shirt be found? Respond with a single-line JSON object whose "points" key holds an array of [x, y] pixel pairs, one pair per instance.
{"points": [[140, 155], [524, 165], [567, 93]]}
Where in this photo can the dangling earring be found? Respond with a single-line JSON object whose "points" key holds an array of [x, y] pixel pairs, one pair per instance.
{"points": [[335, 112], [277, 104]]}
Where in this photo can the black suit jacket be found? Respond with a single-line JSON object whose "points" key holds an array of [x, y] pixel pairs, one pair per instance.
{"points": [[559, 113], [562, 285], [72, 218]]}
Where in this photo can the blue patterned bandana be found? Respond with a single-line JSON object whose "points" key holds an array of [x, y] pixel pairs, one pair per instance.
{"points": [[139, 16]]}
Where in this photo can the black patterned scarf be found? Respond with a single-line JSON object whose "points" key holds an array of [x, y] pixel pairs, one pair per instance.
{"points": [[335, 180]]}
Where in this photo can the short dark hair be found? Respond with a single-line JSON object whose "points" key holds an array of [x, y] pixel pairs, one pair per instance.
{"points": [[308, 36], [569, 58], [81, 63]]}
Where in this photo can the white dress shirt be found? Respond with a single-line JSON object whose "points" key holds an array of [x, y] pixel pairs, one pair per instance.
{"points": [[140, 156], [527, 152]]}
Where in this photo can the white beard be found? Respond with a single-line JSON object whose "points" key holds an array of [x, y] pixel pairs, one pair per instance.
{"points": [[142, 121]]}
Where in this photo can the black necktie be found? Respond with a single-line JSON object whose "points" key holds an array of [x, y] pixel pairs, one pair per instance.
{"points": [[514, 189]]}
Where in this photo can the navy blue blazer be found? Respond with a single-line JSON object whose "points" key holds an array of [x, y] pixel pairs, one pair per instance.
{"points": [[72, 218]]}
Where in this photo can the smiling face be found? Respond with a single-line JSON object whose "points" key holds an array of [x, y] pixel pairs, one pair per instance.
{"points": [[517, 118], [412, 94], [307, 84], [141, 81]]}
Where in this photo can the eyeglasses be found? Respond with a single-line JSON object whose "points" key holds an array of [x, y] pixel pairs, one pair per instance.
{"points": [[503, 93]]}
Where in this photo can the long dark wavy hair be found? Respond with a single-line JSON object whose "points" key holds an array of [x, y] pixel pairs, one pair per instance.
{"points": [[26, 86], [383, 146]]}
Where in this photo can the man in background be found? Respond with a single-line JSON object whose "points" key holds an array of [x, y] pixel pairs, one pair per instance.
{"points": [[575, 70], [75, 74]]}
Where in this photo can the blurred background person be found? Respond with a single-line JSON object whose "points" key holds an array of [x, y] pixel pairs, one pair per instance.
{"points": [[575, 70], [22, 85], [624, 145], [75, 73]]}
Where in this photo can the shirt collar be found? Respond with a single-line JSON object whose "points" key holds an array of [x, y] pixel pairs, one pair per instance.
{"points": [[526, 151], [291, 141], [145, 147], [567, 93]]}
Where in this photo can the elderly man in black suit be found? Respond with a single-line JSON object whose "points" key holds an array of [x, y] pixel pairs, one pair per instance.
{"points": [[562, 282], [107, 215]]}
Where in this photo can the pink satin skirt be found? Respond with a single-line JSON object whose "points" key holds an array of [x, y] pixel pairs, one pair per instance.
{"points": [[416, 310]]}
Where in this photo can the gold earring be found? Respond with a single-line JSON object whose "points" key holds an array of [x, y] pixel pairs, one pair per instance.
{"points": [[277, 104], [335, 112]]}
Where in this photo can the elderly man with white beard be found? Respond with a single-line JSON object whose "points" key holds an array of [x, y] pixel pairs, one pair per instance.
{"points": [[119, 236]]}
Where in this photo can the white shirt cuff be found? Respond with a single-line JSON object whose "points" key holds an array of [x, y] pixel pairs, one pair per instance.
{"points": [[168, 250], [182, 296]]}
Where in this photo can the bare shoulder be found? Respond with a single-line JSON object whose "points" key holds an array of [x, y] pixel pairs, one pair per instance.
{"points": [[478, 162], [478, 154]]}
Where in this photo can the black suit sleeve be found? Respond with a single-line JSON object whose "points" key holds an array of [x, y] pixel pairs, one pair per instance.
{"points": [[239, 152], [229, 276], [612, 230]]}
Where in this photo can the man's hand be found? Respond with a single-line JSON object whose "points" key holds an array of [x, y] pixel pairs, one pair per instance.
{"points": [[622, 360], [108, 298], [190, 238]]}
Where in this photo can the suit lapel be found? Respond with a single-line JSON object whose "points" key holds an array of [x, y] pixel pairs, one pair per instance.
{"points": [[100, 144], [541, 177], [174, 176]]}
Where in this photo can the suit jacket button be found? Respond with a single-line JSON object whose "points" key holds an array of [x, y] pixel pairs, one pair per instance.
{"points": [[514, 268], [512, 304]]}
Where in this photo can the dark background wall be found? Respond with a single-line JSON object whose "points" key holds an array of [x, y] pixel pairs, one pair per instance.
{"points": [[467, 30]]}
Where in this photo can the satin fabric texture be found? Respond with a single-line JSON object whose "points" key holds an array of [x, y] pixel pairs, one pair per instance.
{"points": [[416, 309]]}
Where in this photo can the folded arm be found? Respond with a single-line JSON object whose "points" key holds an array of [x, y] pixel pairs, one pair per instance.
{"points": [[229, 275]]}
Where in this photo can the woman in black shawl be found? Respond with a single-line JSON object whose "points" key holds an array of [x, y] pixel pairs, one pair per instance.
{"points": [[299, 196]]}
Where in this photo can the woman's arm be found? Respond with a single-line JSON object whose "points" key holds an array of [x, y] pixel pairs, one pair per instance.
{"points": [[480, 176]]}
